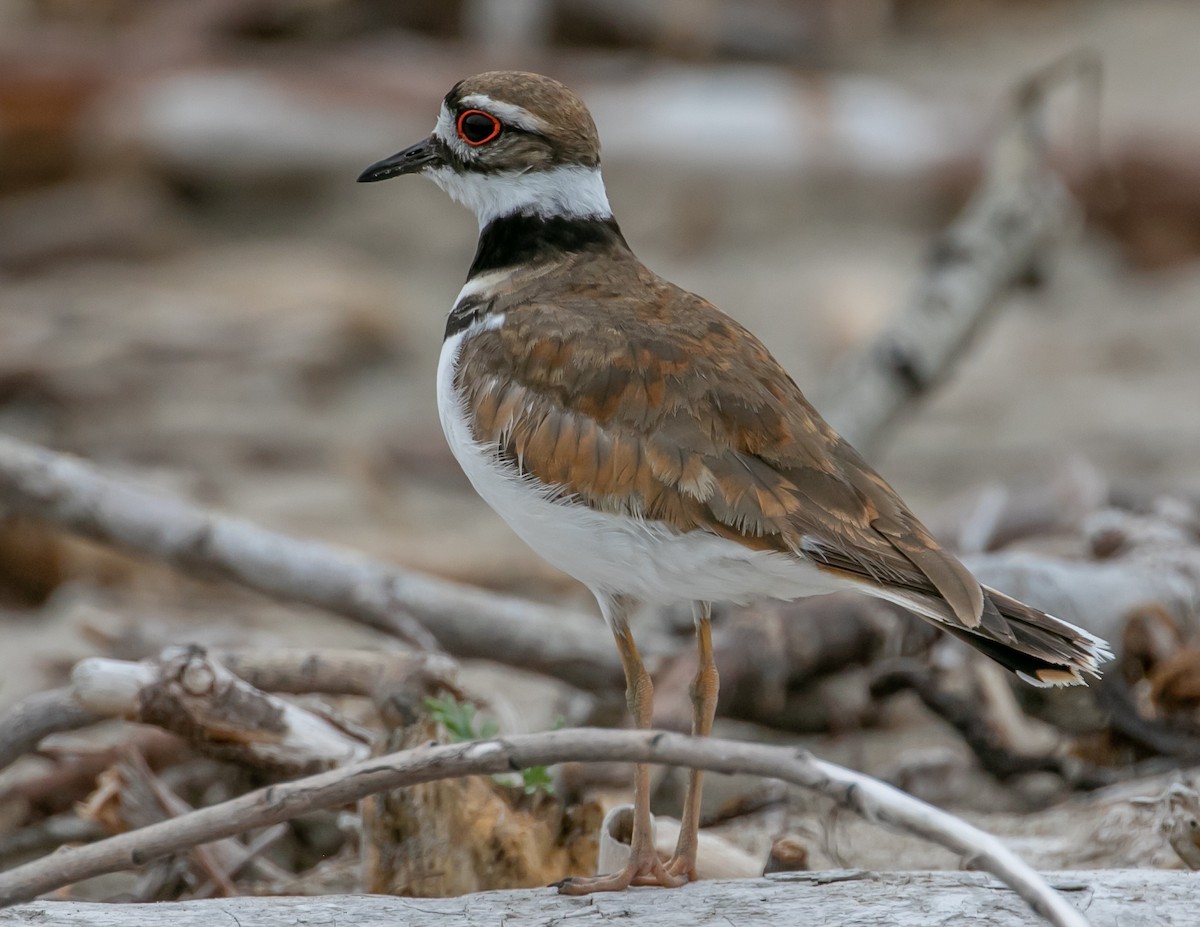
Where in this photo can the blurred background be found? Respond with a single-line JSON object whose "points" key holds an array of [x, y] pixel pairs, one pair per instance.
{"points": [[192, 286], [195, 293]]}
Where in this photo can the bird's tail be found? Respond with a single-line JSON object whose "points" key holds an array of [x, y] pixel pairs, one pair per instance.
{"points": [[1041, 649]]}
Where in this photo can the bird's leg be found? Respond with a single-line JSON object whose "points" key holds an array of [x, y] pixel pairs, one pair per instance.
{"points": [[704, 708], [644, 866]]}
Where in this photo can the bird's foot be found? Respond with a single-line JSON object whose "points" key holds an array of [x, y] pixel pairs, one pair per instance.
{"points": [[682, 866], [648, 871]]}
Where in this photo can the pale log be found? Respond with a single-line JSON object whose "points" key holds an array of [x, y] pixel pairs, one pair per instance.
{"points": [[1111, 898]]}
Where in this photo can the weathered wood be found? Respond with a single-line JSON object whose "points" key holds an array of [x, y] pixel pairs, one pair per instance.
{"points": [[467, 622], [870, 798], [1110, 898], [24, 725], [1003, 235], [192, 694]]}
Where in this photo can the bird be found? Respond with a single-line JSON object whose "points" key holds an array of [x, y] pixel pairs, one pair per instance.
{"points": [[646, 443]]}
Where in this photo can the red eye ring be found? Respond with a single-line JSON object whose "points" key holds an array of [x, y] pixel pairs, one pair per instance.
{"points": [[478, 134]]}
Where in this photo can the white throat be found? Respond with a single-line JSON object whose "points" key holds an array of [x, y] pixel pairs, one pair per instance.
{"points": [[572, 191]]}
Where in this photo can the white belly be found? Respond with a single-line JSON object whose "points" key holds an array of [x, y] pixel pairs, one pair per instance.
{"points": [[613, 553]]}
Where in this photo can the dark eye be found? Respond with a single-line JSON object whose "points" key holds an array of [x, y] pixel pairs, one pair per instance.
{"points": [[475, 127]]}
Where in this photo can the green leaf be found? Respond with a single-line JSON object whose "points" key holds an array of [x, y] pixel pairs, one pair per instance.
{"points": [[463, 723], [537, 778]]}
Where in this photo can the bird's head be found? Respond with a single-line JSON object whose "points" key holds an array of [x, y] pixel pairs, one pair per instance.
{"points": [[509, 142]]}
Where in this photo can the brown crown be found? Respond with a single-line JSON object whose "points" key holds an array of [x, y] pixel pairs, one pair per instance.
{"points": [[568, 125]]}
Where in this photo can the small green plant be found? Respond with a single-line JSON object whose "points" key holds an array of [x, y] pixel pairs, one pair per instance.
{"points": [[460, 719], [463, 723], [537, 779]]}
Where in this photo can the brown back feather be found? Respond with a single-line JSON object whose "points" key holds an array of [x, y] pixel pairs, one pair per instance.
{"points": [[633, 396]]}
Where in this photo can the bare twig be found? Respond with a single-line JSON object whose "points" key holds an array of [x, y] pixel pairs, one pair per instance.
{"points": [[467, 622], [132, 796], [868, 797], [1005, 230], [250, 855]]}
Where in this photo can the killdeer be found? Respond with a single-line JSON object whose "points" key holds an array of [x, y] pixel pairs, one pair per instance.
{"points": [[644, 442]]}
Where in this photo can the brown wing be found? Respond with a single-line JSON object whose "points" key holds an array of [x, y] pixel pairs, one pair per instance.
{"points": [[676, 413]]}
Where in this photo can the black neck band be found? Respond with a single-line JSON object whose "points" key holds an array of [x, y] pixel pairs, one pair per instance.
{"points": [[524, 239]]}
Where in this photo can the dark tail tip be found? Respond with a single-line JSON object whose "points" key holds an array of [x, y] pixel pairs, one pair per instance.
{"points": [[1042, 650]]}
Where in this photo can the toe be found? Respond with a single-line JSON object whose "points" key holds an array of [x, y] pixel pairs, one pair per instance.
{"points": [[682, 867]]}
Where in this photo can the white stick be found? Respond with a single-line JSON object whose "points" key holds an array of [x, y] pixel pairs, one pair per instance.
{"points": [[872, 799]]}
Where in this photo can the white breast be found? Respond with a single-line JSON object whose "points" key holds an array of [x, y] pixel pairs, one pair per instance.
{"points": [[614, 553]]}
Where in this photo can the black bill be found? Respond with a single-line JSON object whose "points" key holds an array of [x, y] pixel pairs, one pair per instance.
{"points": [[409, 161]]}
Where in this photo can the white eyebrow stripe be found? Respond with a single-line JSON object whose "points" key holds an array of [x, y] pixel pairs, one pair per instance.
{"points": [[514, 115]]}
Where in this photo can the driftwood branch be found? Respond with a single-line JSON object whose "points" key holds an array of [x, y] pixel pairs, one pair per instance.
{"points": [[24, 725], [1111, 897], [297, 672], [868, 797], [467, 622], [191, 694], [337, 672], [964, 715], [131, 795], [1002, 235]]}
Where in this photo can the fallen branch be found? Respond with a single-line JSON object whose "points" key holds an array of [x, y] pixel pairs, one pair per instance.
{"points": [[24, 725], [364, 673], [1003, 233], [1111, 897], [193, 695], [130, 795], [467, 622], [336, 672], [868, 797]]}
